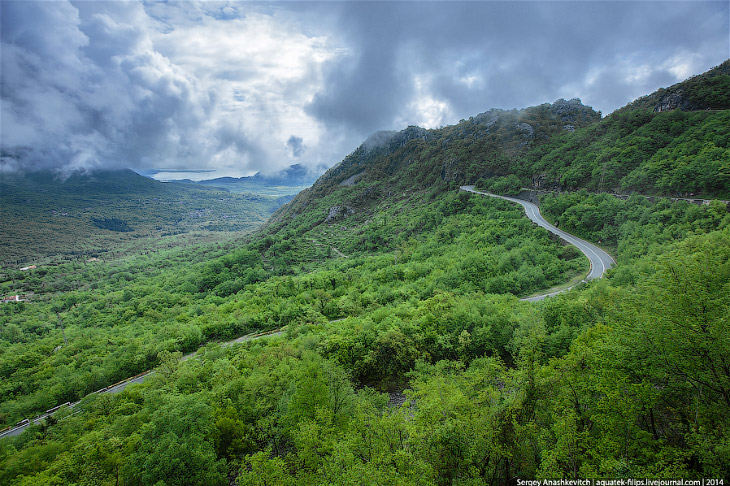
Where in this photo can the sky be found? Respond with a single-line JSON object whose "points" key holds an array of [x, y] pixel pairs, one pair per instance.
{"points": [[233, 88]]}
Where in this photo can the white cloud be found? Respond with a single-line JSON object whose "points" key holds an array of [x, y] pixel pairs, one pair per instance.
{"points": [[683, 65], [472, 81], [263, 70], [227, 85], [199, 88], [425, 110]]}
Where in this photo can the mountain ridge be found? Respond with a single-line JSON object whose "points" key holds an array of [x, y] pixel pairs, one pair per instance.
{"points": [[528, 147], [294, 175], [407, 357], [707, 91]]}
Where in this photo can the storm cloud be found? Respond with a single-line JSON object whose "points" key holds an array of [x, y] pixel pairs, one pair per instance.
{"points": [[296, 145], [241, 87], [432, 63]]}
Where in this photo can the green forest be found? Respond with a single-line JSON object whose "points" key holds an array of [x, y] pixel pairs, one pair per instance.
{"points": [[404, 353], [675, 152]]}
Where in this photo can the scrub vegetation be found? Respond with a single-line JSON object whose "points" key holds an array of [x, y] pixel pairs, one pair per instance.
{"points": [[407, 355]]}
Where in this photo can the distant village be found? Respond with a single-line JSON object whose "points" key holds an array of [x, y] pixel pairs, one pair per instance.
{"points": [[27, 297], [18, 298], [15, 298]]}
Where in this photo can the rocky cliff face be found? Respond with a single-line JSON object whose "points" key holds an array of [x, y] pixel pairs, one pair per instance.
{"points": [[572, 111], [672, 101]]}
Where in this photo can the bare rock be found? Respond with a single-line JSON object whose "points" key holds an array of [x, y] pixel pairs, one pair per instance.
{"points": [[672, 101], [451, 170], [526, 129], [352, 180], [337, 213]]}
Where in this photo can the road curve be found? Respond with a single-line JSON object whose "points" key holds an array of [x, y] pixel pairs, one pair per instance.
{"points": [[600, 260]]}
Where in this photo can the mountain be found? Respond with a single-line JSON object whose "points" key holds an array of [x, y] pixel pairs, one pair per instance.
{"points": [[561, 146], [673, 142], [707, 91], [288, 181], [390, 164], [486, 144], [114, 212], [373, 331]]}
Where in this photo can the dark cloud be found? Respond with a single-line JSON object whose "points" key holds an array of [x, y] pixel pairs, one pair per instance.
{"points": [[82, 89], [296, 145], [478, 55], [363, 90], [224, 85]]}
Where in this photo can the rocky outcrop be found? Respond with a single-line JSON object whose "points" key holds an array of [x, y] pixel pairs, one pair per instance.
{"points": [[572, 110], [488, 118], [352, 180], [451, 171], [526, 130], [337, 213], [672, 101], [543, 183]]}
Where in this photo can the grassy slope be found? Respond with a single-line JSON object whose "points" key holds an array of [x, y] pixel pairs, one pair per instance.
{"points": [[670, 153]]}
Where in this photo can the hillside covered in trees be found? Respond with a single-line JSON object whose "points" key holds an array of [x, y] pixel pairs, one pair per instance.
{"points": [[407, 356]]}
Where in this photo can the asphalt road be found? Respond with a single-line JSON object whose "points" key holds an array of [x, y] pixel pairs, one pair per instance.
{"points": [[600, 260], [118, 387]]}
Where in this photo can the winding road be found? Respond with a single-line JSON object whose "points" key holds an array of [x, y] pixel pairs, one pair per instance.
{"points": [[600, 260], [20, 427]]}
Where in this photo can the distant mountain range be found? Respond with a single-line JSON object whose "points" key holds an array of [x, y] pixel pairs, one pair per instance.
{"points": [[106, 213], [295, 175]]}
